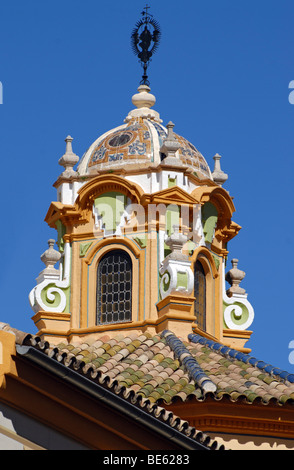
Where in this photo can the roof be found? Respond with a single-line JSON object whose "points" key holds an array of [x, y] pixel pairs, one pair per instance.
{"points": [[138, 142], [162, 368], [150, 372], [85, 375]]}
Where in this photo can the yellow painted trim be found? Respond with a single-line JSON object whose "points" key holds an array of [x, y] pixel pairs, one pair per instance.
{"points": [[197, 330], [174, 195], [237, 418], [68, 214], [237, 333], [236, 339], [7, 351], [51, 315], [217, 196], [204, 253], [141, 325], [89, 267], [106, 242], [104, 183], [213, 290], [45, 320], [181, 303]]}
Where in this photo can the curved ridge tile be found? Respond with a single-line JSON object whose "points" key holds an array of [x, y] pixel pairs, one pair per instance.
{"points": [[245, 358], [242, 375], [189, 362]]}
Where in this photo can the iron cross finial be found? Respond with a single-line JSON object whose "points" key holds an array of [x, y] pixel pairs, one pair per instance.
{"points": [[146, 9], [145, 39]]}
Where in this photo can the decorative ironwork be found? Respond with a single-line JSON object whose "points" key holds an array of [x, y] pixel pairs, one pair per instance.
{"points": [[145, 40], [200, 295], [114, 288]]}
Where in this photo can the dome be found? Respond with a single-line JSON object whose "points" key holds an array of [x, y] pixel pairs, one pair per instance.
{"points": [[138, 142]]}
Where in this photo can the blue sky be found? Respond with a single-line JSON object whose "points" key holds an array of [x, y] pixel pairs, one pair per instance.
{"points": [[221, 75]]}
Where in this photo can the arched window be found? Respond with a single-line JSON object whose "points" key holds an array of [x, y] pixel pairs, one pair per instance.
{"points": [[200, 295], [114, 288]]}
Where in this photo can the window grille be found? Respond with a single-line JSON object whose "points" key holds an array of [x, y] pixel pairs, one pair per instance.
{"points": [[114, 288], [200, 295]]}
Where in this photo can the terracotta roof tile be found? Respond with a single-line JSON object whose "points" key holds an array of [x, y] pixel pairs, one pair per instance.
{"points": [[164, 368]]}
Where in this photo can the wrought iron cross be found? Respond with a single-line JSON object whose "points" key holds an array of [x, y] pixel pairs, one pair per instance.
{"points": [[146, 10], [145, 40]]}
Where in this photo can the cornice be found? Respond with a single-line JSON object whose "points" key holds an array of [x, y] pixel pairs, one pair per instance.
{"points": [[216, 195], [238, 417], [103, 183], [174, 195], [66, 213]]}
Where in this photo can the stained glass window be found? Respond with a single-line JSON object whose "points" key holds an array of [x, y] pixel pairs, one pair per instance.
{"points": [[114, 288], [200, 295]]}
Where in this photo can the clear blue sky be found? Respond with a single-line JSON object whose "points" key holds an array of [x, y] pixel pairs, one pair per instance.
{"points": [[221, 75]]}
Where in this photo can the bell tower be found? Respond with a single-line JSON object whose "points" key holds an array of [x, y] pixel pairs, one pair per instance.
{"points": [[142, 231]]}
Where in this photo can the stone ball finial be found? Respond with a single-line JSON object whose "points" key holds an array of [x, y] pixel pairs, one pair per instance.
{"points": [[69, 159], [50, 257], [175, 242], [170, 146], [234, 278], [219, 177], [143, 99]]}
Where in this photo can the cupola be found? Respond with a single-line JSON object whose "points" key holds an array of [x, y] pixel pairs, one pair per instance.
{"points": [[142, 229]]}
